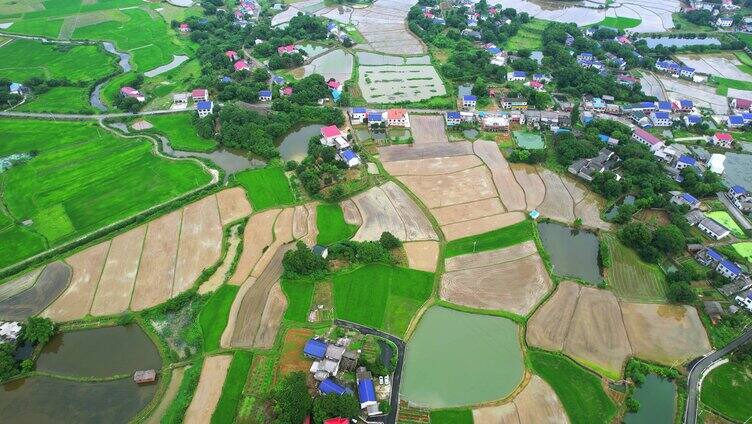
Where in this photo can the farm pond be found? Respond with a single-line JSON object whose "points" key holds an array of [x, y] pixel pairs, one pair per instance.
{"points": [[657, 397], [456, 358], [295, 145], [574, 253]]}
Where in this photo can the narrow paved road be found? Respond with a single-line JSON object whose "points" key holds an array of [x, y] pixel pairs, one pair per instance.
{"points": [[391, 417], [697, 370]]}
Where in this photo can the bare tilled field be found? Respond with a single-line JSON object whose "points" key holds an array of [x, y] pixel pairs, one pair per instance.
{"points": [[432, 166], [566, 200], [389, 208], [282, 235], [154, 281], [271, 318], [428, 129], [468, 211], [233, 205], [29, 294], [468, 185], [259, 234], [116, 283], [510, 192], [422, 255], [481, 225], [220, 274], [512, 279], [312, 231], [200, 242], [209, 389], [549, 326], [400, 152], [351, 212], [536, 403], [528, 178]]}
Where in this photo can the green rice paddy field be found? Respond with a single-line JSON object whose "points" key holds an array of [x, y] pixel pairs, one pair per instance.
{"points": [[299, 294], [727, 221], [215, 314], [330, 221], [728, 389], [81, 179], [23, 59], [232, 390], [381, 296], [629, 277], [620, 22], [266, 188], [59, 100], [503, 237], [178, 127]]}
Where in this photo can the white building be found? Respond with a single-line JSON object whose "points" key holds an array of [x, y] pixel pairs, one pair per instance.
{"points": [[204, 108], [713, 229]]}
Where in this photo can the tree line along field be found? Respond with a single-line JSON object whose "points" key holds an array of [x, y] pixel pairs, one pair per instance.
{"points": [[81, 179], [24, 59]]}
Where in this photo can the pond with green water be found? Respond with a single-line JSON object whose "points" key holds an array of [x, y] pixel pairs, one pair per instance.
{"points": [[573, 253], [295, 145], [457, 358], [657, 397]]}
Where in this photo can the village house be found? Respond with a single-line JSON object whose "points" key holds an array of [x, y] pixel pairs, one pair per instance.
{"points": [[627, 80], [16, 88], [288, 49], [690, 120], [668, 66], [200, 94], [588, 168], [729, 269], [185, 28], [204, 108], [713, 229], [242, 65], [366, 392], [664, 106], [686, 72], [232, 55], [741, 104], [286, 92], [469, 101], [741, 198], [683, 105], [331, 386], [721, 139], [397, 118], [332, 136], [181, 98], [735, 121], [495, 123], [514, 103], [724, 22], [265, 95], [453, 118], [375, 118], [644, 137], [516, 76], [132, 92], [358, 115], [709, 257], [685, 199], [685, 161], [537, 86]]}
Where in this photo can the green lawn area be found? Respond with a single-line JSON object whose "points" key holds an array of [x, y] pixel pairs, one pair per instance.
{"points": [[529, 36], [496, 239], [728, 390], [178, 127], [579, 390], [23, 59], [330, 221], [214, 315], [452, 416], [629, 277], [266, 188], [381, 296], [727, 221], [59, 100], [232, 390], [620, 22], [299, 295], [683, 24], [744, 249], [82, 178]]}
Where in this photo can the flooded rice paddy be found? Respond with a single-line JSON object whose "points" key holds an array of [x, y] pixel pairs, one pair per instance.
{"points": [[457, 358], [573, 253], [336, 64], [681, 42], [657, 397], [738, 169], [311, 49], [295, 145]]}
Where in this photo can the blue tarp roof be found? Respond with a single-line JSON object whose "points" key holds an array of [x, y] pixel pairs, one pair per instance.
{"points": [[736, 119], [375, 117], [494, 50], [739, 189], [315, 348], [470, 98], [689, 198], [687, 69], [359, 110], [366, 392], [686, 104], [348, 154], [519, 73], [715, 255], [687, 159], [731, 267], [603, 137], [454, 115], [647, 104], [204, 104], [330, 386]]}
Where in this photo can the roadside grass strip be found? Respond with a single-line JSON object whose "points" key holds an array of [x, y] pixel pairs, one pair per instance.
{"points": [[620, 22], [451, 416], [81, 179], [215, 314], [728, 389], [299, 294], [232, 390], [266, 188], [178, 127], [629, 277], [381, 296], [23, 59], [579, 390], [496, 239], [727, 221], [330, 220]]}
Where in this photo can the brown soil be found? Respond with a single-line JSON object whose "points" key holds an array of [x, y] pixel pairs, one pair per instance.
{"points": [[667, 334], [432, 166], [491, 257], [463, 186], [233, 205], [510, 192], [650, 216], [538, 404], [19, 284], [50, 283], [271, 318], [157, 268], [531, 182], [558, 203], [378, 215], [351, 212], [468, 211], [575, 188], [116, 284], [200, 242], [515, 286], [168, 397], [597, 334], [417, 226], [291, 358], [209, 389], [300, 222], [75, 301], [481, 225], [428, 129], [589, 210], [256, 239], [226, 340], [313, 230], [422, 255], [282, 235], [501, 414], [220, 274], [424, 151], [549, 326]]}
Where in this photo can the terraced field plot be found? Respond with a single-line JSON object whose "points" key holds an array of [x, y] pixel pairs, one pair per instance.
{"points": [[82, 179], [724, 65], [629, 277], [536, 403]]}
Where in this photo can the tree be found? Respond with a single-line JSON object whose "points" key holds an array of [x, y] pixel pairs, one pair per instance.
{"points": [[625, 213], [333, 405], [292, 402], [7, 362], [389, 241], [38, 330], [681, 293], [302, 261], [636, 235], [669, 239]]}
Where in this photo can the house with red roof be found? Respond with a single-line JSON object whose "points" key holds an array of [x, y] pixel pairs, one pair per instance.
{"points": [[132, 92], [536, 85], [334, 84], [332, 136], [397, 118], [184, 27], [242, 65], [722, 139], [200, 94], [287, 91], [644, 137], [232, 55], [288, 49], [337, 420], [741, 104]]}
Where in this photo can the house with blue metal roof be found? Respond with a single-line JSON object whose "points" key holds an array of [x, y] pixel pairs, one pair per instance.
{"points": [[516, 76], [690, 120], [660, 119], [315, 348], [350, 158], [469, 101], [375, 118], [686, 105], [665, 106], [453, 118], [685, 161], [265, 95], [690, 200], [204, 108], [735, 121], [709, 257], [366, 391], [493, 50], [330, 386], [358, 114], [728, 269]]}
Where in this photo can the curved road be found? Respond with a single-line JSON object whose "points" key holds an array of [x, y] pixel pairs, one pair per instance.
{"points": [[391, 417], [700, 367]]}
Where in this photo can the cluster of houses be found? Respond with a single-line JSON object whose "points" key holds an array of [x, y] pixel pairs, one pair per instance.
{"points": [[390, 118], [662, 113], [721, 13], [332, 136], [329, 359], [587, 168], [131, 92], [674, 69], [9, 331], [247, 11], [200, 98], [336, 32]]}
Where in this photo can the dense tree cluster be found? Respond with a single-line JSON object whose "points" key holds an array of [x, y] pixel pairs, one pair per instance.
{"points": [[321, 170], [651, 243], [703, 185], [569, 148], [302, 262], [520, 155], [291, 403], [699, 17]]}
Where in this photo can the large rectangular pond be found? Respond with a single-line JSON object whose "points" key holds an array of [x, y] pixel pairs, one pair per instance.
{"points": [[457, 358], [738, 169], [573, 253]]}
